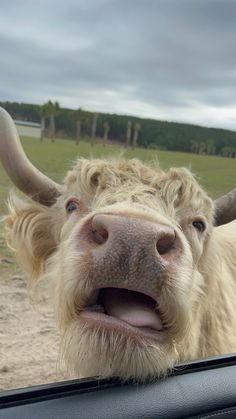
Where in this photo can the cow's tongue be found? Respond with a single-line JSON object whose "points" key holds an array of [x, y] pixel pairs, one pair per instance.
{"points": [[132, 307]]}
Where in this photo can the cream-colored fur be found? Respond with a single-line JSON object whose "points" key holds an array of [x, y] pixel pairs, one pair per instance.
{"points": [[197, 301]]}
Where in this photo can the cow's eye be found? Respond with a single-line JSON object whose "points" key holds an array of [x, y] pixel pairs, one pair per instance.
{"points": [[71, 206], [199, 225]]}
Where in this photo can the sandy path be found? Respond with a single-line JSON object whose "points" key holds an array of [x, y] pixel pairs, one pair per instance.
{"points": [[28, 337]]}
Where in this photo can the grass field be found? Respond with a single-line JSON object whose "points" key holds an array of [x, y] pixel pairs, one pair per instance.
{"points": [[216, 174]]}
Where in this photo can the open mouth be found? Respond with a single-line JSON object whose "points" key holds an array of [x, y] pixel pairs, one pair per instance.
{"points": [[129, 312]]}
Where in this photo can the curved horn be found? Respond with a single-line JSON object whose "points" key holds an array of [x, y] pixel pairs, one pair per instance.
{"points": [[24, 175], [225, 208]]}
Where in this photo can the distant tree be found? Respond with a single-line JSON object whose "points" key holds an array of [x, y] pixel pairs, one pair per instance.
{"points": [[78, 131], [45, 113], [79, 119], [43, 127], [228, 152], [194, 146], [171, 135], [94, 128], [210, 146], [137, 128], [128, 133], [106, 127], [50, 110], [55, 107], [224, 152], [202, 148]]}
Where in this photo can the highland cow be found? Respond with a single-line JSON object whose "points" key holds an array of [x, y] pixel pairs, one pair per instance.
{"points": [[142, 261]]}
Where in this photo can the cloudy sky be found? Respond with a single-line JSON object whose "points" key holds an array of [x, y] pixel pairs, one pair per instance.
{"points": [[164, 59]]}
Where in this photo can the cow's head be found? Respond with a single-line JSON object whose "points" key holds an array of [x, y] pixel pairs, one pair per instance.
{"points": [[123, 245]]}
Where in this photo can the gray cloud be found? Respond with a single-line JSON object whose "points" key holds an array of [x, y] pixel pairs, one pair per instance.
{"points": [[157, 58]]}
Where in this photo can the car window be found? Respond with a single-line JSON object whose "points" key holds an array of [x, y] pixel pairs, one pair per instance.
{"points": [[111, 82]]}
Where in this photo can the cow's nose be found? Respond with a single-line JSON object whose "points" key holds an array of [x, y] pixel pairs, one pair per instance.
{"points": [[113, 231]]}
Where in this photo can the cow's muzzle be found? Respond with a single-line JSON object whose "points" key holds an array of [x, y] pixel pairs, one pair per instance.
{"points": [[129, 252], [130, 260]]}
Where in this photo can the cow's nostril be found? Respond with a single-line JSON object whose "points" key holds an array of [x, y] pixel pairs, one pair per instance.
{"points": [[100, 235], [166, 243], [100, 228]]}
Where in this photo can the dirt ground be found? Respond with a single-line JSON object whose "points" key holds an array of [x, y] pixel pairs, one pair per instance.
{"points": [[29, 340]]}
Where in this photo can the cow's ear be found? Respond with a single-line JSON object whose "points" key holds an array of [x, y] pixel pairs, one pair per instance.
{"points": [[30, 234]]}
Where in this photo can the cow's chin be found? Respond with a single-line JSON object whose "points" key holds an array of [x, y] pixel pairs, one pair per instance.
{"points": [[93, 348], [125, 334], [127, 339]]}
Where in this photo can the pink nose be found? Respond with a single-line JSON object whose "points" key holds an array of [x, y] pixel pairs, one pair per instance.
{"points": [[138, 236]]}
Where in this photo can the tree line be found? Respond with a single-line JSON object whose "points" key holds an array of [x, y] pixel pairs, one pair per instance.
{"points": [[128, 130]]}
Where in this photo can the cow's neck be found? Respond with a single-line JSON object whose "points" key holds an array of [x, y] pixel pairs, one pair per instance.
{"points": [[214, 320]]}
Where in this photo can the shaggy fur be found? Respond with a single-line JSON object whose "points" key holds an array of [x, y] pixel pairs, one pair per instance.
{"points": [[198, 293]]}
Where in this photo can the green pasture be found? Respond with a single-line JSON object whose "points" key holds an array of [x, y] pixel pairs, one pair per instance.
{"points": [[216, 174]]}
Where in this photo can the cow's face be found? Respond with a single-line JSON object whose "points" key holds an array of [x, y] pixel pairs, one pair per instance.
{"points": [[126, 268], [125, 246]]}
